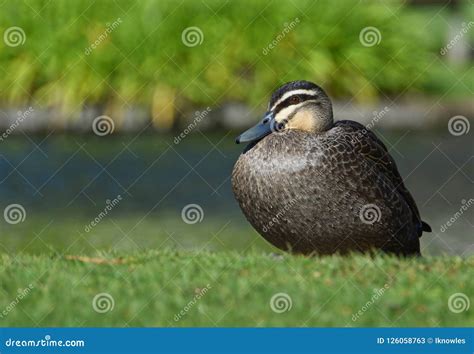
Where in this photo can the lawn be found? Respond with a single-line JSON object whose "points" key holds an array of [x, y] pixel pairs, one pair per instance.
{"points": [[170, 288]]}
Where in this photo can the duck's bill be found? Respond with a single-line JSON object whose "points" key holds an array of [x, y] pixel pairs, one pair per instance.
{"points": [[259, 131]]}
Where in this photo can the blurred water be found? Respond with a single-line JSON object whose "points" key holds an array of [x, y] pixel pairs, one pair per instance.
{"points": [[64, 182]]}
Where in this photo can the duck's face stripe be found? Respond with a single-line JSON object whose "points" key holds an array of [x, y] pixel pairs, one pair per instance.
{"points": [[294, 101], [285, 98], [286, 114]]}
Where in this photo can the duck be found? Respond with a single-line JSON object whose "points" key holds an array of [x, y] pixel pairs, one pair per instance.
{"points": [[315, 186]]}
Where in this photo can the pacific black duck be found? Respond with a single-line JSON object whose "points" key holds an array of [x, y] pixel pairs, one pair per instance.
{"points": [[310, 185]]}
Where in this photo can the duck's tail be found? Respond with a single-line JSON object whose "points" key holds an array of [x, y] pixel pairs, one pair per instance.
{"points": [[425, 227]]}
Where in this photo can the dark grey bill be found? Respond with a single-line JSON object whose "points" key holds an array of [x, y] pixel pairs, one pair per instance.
{"points": [[259, 131]]}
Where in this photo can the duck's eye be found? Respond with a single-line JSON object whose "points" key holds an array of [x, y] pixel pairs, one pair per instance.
{"points": [[295, 100]]}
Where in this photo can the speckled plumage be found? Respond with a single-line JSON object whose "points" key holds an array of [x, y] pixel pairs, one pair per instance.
{"points": [[328, 192]]}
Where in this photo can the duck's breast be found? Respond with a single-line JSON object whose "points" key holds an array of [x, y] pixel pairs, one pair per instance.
{"points": [[305, 192]]}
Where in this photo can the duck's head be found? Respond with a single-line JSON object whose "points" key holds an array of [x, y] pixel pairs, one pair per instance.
{"points": [[299, 105]]}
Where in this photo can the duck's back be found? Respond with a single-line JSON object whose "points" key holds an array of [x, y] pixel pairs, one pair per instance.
{"points": [[336, 191]]}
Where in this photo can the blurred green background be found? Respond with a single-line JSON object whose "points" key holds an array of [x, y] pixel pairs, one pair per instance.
{"points": [[151, 65], [143, 61]]}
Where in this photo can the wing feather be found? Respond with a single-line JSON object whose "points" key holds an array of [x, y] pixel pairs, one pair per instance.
{"points": [[366, 143]]}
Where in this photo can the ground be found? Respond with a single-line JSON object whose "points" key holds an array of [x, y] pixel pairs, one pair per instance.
{"points": [[170, 288]]}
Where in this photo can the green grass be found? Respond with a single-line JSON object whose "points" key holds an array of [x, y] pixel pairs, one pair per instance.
{"points": [[151, 288]]}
